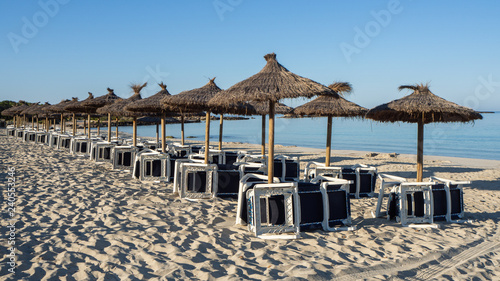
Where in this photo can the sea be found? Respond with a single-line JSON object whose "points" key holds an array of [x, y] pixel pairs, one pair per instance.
{"points": [[479, 139]]}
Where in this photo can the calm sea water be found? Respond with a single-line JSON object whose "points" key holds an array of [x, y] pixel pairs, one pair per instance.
{"points": [[471, 140]]}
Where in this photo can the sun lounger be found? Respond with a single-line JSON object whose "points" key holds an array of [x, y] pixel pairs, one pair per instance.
{"points": [[80, 146], [41, 137], [273, 211], [123, 157], [324, 204], [286, 168], [102, 151], [363, 177], [448, 200], [198, 181], [63, 142], [152, 166], [410, 203]]}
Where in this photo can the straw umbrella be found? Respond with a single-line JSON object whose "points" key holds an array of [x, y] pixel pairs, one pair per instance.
{"points": [[421, 107], [77, 107], [273, 83], [332, 106], [15, 111], [30, 111], [193, 101], [118, 109], [59, 109], [98, 102], [153, 106]]}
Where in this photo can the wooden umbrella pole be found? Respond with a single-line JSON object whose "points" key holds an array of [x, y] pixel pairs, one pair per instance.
{"points": [[109, 127], [263, 148], [270, 159], [328, 141], [207, 135], [90, 125], [99, 126], [84, 126], [37, 122], [163, 134], [182, 128], [116, 124], [220, 131], [62, 123], [47, 126], [420, 149], [74, 125], [157, 136], [134, 131]]}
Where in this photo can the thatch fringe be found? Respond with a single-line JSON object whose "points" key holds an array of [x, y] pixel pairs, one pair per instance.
{"points": [[332, 105], [152, 105], [422, 104], [274, 82], [193, 100]]}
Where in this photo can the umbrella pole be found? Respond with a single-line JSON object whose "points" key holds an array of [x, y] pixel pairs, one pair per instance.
{"points": [[328, 141], [134, 131], [62, 124], [47, 126], [116, 120], [157, 136], [99, 126], [109, 127], [74, 125], [220, 131], [163, 134], [32, 122], [207, 135], [37, 122], [182, 128], [270, 159], [263, 148], [84, 126], [90, 125], [420, 149]]}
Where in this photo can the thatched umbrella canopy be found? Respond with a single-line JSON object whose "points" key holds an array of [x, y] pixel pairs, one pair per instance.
{"points": [[332, 106], [98, 102], [273, 83], [118, 109], [59, 109], [78, 107], [154, 107], [101, 101], [15, 110], [193, 101], [421, 107], [30, 111], [36, 110]]}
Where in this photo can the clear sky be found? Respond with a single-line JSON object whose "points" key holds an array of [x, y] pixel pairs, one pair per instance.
{"points": [[55, 49]]}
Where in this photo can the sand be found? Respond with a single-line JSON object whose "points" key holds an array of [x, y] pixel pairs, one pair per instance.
{"points": [[77, 220]]}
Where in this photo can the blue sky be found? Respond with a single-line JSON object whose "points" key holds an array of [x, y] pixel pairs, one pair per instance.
{"points": [[55, 49]]}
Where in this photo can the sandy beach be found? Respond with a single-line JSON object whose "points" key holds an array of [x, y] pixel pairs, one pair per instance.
{"points": [[77, 220]]}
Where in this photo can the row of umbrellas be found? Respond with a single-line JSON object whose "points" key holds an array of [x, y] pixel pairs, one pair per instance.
{"points": [[260, 95]]}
